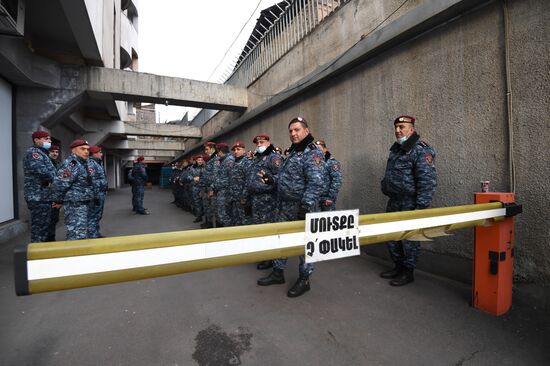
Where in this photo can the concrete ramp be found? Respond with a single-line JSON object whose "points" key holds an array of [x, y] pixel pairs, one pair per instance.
{"points": [[143, 87]]}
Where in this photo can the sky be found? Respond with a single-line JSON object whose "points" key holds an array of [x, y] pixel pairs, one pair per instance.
{"points": [[188, 39]]}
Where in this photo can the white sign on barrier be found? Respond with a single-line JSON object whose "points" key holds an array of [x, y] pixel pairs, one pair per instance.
{"points": [[331, 235]]}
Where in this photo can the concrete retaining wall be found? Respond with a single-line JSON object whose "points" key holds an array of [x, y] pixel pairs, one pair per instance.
{"points": [[452, 78]]}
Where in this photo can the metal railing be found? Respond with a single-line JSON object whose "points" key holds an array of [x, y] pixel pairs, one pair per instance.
{"points": [[275, 34]]}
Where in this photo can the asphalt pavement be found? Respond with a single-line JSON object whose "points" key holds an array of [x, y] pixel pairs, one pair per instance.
{"points": [[221, 317]]}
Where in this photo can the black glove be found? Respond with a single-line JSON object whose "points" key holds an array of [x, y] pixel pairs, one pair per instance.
{"points": [[268, 179], [302, 213], [97, 201]]}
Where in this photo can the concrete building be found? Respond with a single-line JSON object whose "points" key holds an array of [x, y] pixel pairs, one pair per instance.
{"points": [[70, 67], [45, 48]]}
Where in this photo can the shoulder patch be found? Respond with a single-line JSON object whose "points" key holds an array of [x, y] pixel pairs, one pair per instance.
{"points": [[90, 170], [429, 158], [36, 155], [66, 173], [277, 161], [318, 158]]}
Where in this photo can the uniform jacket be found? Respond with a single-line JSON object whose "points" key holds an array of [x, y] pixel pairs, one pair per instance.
{"points": [[181, 177], [39, 173], [174, 176], [410, 172], [196, 171], [73, 182], [221, 180], [270, 162], [237, 179], [138, 174], [99, 179], [209, 172], [334, 173], [303, 176]]}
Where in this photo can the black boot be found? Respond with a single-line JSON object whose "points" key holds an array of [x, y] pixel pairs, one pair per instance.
{"points": [[393, 273], [405, 277], [206, 225], [276, 277], [300, 287], [264, 265], [198, 219]]}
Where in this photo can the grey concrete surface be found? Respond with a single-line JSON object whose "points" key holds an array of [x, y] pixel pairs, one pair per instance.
{"points": [[144, 87], [221, 317]]}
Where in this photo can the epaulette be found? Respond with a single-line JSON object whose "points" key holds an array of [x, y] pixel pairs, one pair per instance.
{"points": [[423, 144], [312, 146], [73, 163]]}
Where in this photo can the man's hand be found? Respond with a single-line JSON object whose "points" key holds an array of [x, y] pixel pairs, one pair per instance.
{"points": [[210, 194], [197, 179], [328, 202], [56, 205], [266, 177]]}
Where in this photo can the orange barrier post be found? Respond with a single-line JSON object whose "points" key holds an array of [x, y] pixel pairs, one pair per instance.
{"points": [[493, 262]]}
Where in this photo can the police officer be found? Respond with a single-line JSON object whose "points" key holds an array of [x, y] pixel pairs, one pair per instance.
{"points": [[409, 182], [99, 180], [237, 185], [54, 155], [186, 201], [174, 180], [39, 173], [194, 179], [208, 174], [73, 188], [262, 184], [221, 184], [138, 178], [334, 174], [301, 182]]}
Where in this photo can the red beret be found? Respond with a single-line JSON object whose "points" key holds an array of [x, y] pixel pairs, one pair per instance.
{"points": [[206, 157], [210, 144], [54, 148], [78, 142], [222, 146], [238, 144], [263, 137], [404, 119], [39, 134], [198, 157], [140, 158], [94, 149]]}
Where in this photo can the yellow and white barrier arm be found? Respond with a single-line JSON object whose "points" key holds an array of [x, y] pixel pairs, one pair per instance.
{"points": [[43, 267]]}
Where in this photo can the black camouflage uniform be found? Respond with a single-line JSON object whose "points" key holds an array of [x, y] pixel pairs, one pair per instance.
{"points": [[409, 182]]}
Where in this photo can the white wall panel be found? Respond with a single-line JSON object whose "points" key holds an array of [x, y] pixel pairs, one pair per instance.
{"points": [[6, 152]]}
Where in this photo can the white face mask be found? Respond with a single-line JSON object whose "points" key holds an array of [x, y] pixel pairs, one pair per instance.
{"points": [[46, 145], [402, 140], [261, 149]]}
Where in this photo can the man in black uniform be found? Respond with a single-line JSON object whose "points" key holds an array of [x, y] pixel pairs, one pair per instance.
{"points": [[409, 182]]}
